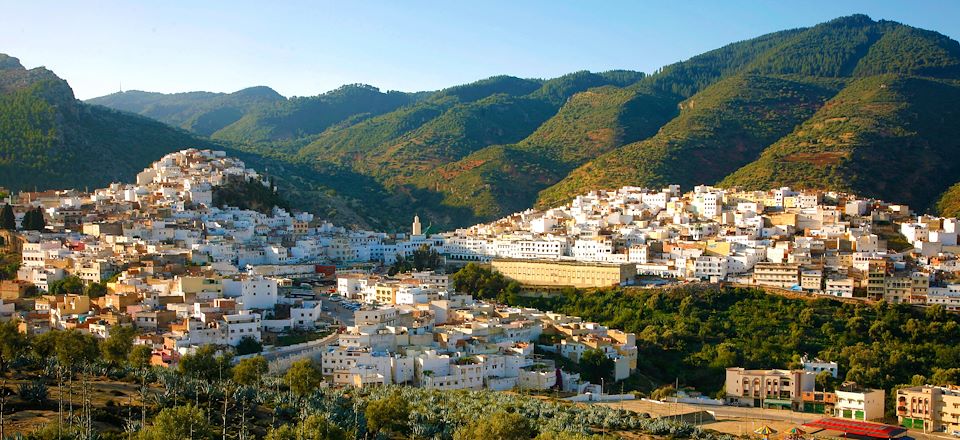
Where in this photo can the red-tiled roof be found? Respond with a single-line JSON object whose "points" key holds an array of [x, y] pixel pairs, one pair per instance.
{"points": [[857, 427]]}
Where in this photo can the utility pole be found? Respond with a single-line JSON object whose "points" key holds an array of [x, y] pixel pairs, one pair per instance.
{"points": [[3, 406]]}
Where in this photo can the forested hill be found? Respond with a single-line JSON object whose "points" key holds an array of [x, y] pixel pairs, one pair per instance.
{"points": [[48, 139], [851, 104], [854, 104]]}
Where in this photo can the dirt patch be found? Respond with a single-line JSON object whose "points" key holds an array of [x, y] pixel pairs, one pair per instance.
{"points": [[818, 159], [601, 136]]}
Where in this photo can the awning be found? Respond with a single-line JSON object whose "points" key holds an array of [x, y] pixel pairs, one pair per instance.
{"points": [[778, 402], [856, 427]]}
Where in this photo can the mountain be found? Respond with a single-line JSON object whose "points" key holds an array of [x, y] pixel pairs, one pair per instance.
{"points": [[49, 139], [501, 179], [203, 113], [257, 114], [852, 104], [888, 136]]}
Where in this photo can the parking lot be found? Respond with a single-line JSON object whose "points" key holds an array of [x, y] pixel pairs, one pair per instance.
{"points": [[341, 310]]}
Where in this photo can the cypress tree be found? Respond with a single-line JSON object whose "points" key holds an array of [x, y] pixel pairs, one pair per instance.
{"points": [[7, 219], [33, 220], [27, 222], [41, 222]]}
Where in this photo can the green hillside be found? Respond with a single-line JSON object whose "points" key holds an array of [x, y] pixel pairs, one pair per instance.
{"points": [[886, 136], [468, 127], [297, 118], [501, 179], [949, 203], [48, 139], [718, 129], [779, 122], [203, 113]]}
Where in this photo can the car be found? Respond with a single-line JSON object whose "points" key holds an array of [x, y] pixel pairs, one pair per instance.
{"points": [[955, 433]]}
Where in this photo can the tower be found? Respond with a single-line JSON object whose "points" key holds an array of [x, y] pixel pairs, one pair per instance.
{"points": [[416, 225]]}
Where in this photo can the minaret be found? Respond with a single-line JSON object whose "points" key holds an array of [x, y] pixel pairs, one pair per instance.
{"points": [[416, 225]]}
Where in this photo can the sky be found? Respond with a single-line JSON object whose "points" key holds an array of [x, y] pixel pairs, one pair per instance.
{"points": [[303, 48]]}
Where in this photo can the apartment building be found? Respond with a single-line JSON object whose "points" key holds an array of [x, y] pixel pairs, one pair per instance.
{"points": [[767, 388], [565, 273], [783, 275], [859, 403], [930, 408]]}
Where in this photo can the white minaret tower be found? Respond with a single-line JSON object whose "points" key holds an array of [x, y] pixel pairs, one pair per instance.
{"points": [[416, 225]]}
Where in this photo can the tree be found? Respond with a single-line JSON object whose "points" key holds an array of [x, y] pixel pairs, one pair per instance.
{"points": [[13, 344], [303, 377], [426, 258], [205, 363], [70, 285], [825, 381], [313, 428], [177, 423], [72, 348], [95, 290], [483, 283], [117, 347], [140, 356], [945, 376], [389, 415], [400, 265], [8, 219], [500, 425], [596, 365], [663, 392], [249, 371], [33, 220], [248, 345]]}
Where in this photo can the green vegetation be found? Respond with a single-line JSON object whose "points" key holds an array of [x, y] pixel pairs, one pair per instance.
{"points": [[250, 371], [389, 416], [203, 113], [71, 285], [596, 367], [718, 130], [33, 220], [303, 377], [501, 179], [692, 334], [8, 220], [248, 194], [424, 258], [248, 345], [49, 139], [297, 118], [884, 136], [949, 203], [126, 399], [500, 425], [483, 283]]}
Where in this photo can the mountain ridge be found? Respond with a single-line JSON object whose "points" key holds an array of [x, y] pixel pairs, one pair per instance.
{"points": [[797, 107]]}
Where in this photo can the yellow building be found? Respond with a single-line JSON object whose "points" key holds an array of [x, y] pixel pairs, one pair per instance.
{"points": [[784, 275], [386, 293], [564, 273], [193, 285], [929, 408]]}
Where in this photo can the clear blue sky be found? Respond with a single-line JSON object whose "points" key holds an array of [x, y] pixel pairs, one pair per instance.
{"points": [[305, 48]]}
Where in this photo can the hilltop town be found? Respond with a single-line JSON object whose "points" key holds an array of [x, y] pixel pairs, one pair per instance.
{"points": [[167, 256]]}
